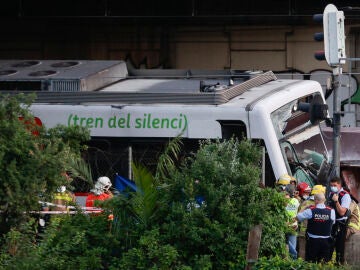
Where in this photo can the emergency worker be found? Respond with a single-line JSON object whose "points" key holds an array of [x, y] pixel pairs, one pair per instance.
{"points": [[293, 181], [291, 211], [62, 199], [283, 185], [282, 182], [304, 191], [340, 200], [318, 189], [353, 224], [310, 201], [305, 204], [320, 221], [100, 192]]}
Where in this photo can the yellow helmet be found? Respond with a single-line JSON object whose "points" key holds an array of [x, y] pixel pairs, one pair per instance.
{"points": [[283, 180], [318, 189]]}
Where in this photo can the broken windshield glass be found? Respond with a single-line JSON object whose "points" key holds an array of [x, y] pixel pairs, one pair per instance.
{"points": [[302, 144]]}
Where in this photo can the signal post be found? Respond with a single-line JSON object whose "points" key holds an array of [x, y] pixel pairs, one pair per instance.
{"points": [[334, 54]]}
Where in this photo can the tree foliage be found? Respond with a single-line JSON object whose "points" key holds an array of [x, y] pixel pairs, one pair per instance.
{"points": [[204, 211], [70, 242], [32, 160], [225, 175], [277, 262]]}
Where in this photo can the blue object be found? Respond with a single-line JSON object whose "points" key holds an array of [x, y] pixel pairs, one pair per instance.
{"points": [[199, 199], [122, 183]]}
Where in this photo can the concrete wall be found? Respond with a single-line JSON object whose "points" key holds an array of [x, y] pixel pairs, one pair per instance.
{"points": [[267, 48], [273, 48]]}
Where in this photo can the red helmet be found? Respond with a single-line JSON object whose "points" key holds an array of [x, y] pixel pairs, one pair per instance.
{"points": [[303, 188]]}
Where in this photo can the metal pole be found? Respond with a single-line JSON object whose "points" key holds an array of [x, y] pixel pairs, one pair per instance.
{"points": [[263, 166], [337, 120], [129, 162]]}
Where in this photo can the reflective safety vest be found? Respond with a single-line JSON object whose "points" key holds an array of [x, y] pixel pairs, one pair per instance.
{"points": [[292, 207], [291, 211], [64, 196]]}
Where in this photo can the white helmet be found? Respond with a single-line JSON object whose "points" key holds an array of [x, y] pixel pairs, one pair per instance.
{"points": [[102, 184]]}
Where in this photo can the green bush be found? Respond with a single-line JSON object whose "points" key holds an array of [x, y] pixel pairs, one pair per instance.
{"points": [[194, 217], [149, 254], [32, 160], [70, 242], [226, 175], [211, 234], [279, 263]]}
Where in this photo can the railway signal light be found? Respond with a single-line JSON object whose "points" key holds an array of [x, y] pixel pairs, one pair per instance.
{"points": [[316, 108], [333, 36]]}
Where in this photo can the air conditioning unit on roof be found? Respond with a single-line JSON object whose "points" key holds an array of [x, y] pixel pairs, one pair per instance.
{"points": [[60, 75]]}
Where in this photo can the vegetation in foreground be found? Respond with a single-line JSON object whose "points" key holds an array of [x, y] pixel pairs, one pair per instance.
{"points": [[196, 216]]}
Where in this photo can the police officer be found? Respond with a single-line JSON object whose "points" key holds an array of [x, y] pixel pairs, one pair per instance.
{"points": [[309, 201], [320, 221], [340, 200]]}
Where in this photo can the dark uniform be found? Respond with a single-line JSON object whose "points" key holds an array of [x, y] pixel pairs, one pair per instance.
{"points": [[318, 241], [339, 228]]}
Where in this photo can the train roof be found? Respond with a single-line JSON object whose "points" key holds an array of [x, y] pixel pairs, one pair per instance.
{"points": [[116, 82]]}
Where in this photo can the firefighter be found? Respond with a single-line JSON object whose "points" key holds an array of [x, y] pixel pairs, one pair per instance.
{"points": [[282, 182], [100, 192], [62, 199], [304, 191]]}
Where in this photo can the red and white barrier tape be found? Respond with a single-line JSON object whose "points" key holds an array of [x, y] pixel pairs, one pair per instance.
{"points": [[84, 209], [67, 212]]}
